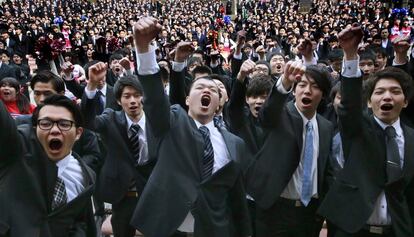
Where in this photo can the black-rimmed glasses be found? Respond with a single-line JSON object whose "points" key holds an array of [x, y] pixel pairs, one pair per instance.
{"points": [[47, 124]]}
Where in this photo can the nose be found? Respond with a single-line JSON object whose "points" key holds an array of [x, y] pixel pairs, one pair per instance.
{"points": [[55, 129], [308, 89], [387, 95]]}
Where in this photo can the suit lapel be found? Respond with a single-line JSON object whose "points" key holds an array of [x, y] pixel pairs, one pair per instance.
{"points": [[408, 168], [324, 147], [297, 123], [198, 145]]}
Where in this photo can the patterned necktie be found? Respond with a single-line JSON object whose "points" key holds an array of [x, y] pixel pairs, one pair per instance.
{"points": [[307, 166], [59, 194], [134, 138], [208, 155], [393, 155], [219, 122], [101, 107]]}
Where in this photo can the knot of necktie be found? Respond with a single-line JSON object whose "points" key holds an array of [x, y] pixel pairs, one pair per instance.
{"points": [[390, 132]]}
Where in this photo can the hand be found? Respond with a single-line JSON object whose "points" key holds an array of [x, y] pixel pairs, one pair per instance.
{"points": [[183, 51], [125, 63], [293, 72], [401, 45], [96, 73], [349, 39], [67, 68], [246, 68], [241, 39], [145, 31], [260, 49], [305, 48]]}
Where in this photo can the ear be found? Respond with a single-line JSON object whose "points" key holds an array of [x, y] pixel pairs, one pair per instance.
{"points": [[187, 102], [369, 104], [405, 103], [79, 132], [119, 102]]}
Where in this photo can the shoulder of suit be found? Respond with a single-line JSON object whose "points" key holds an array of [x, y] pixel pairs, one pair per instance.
{"points": [[85, 167]]}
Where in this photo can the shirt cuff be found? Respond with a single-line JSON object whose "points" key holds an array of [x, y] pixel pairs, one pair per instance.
{"points": [[351, 69], [237, 56], [90, 94], [281, 88], [178, 66], [147, 62]]}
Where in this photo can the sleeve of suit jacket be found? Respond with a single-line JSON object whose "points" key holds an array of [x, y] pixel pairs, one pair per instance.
{"points": [[271, 111], [156, 104], [177, 88], [75, 88], [93, 121], [9, 137], [235, 106]]}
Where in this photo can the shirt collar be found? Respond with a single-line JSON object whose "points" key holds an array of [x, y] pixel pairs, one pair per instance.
{"points": [[209, 125], [305, 120], [396, 125], [103, 90], [63, 163], [141, 122]]}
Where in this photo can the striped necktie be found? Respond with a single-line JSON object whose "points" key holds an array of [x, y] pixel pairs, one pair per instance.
{"points": [[208, 155]]}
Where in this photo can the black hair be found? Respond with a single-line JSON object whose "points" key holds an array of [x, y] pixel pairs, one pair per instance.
{"points": [[260, 85], [165, 76], [115, 56], [367, 55], [270, 55], [193, 60], [22, 102], [129, 80], [60, 101], [47, 76], [335, 89], [205, 78], [403, 78], [336, 55], [201, 69], [266, 64], [321, 77]]}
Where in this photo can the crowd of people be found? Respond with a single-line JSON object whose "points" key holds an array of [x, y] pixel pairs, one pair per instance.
{"points": [[193, 118]]}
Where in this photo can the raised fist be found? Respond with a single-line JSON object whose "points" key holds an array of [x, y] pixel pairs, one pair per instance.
{"points": [[145, 31]]}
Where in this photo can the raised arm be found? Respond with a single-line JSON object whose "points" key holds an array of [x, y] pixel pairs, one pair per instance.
{"points": [[10, 145], [177, 80], [272, 109], [76, 89], [237, 60], [156, 104], [350, 109], [90, 102], [237, 99]]}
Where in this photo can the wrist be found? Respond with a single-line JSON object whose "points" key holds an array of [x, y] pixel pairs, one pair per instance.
{"points": [[142, 49], [286, 84], [241, 77], [349, 57]]}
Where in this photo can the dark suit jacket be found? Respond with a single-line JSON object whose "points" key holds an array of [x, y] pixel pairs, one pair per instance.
{"points": [[28, 178], [7, 71], [175, 187], [78, 90], [363, 177], [118, 171], [280, 154]]}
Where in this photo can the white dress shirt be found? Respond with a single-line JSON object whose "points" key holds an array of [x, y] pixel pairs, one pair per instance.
{"points": [[142, 136], [380, 215], [70, 171]]}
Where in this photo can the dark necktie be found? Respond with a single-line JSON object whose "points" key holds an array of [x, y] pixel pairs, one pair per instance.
{"points": [[59, 194], [306, 194], [219, 122], [208, 155], [101, 106], [393, 155], [135, 141]]}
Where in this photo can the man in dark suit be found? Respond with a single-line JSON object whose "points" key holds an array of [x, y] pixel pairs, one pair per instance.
{"points": [[6, 71], [46, 186], [126, 133], [105, 94], [291, 173], [373, 195], [21, 41], [195, 189]]}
